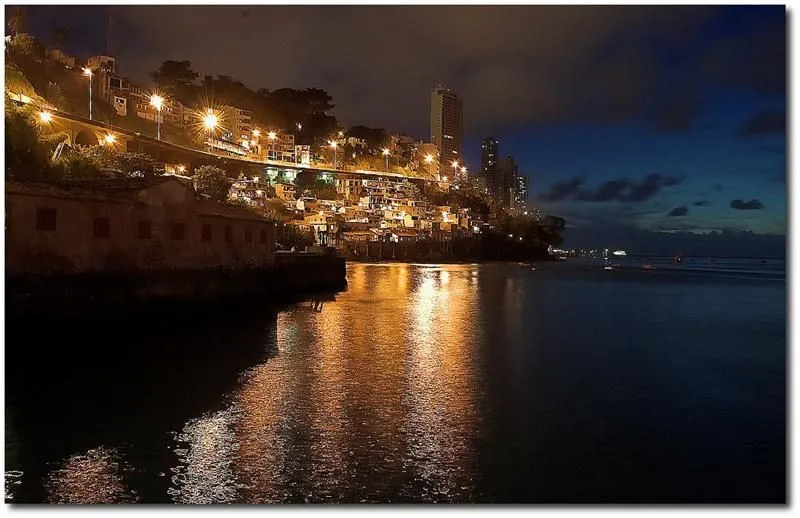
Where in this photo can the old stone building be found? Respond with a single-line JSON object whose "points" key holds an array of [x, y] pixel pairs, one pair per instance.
{"points": [[128, 226]]}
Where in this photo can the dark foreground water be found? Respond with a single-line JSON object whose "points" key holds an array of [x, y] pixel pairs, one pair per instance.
{"points": [[494, 383]]}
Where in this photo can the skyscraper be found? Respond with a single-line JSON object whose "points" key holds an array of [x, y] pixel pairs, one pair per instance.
{"points": [[507, 173], [521, 192], [493, 172], [447, 124], [488, 155]]}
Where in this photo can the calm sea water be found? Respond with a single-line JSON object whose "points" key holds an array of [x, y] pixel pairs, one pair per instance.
{"points": [[467, 383]]}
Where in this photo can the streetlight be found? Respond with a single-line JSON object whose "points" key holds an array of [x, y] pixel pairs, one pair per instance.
{"points": [[256, 133], [210, 122], [333, 145], [156, 101], [181, 168], [429, 161], [272, 136], [455, 170], [88, 73], [386, 155], [45, 116], [110, 139]]}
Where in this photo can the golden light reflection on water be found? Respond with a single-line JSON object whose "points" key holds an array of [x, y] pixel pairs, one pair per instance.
{"points": [[94, 477], [373, 398], [204, 474]]}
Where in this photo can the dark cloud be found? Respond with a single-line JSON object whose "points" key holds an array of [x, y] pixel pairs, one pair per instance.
{"points": [[702, 203], [650, 187], [608, 191], [678, 211], [718, 187], [747, 205], [622, 189], [599, 64], [753, 59], [380, 62], [563, 190], [765, 123]]}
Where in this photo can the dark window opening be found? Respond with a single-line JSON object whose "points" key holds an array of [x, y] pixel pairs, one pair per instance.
{"points": [[248, 235], [205, 232], [102, 228], [144, 230], [45, 219], [178, 231]]}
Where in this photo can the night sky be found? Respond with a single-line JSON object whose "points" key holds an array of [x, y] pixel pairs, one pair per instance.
{"points": [[637, 124]]}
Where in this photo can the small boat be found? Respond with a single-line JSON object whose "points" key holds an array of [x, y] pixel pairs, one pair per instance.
{"points": [[608, 267], [620, 253]]}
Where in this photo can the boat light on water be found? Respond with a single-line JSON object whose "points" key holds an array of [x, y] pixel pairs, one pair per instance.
{"points": [[621, 253]]}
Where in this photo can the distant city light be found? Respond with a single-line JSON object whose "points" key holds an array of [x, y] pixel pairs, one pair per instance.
{"points": [[87, 71], [333, 144], [110, 139], [429, 158], [256, 133], [181, 168], [272, 135], [45, 116], [385, 152]]}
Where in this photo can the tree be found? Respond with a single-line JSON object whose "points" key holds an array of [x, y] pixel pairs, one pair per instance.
{"points": [[26, 156], [374, 137], [17, 22], [17, 83], [291, 236], [305, 180], [276, 210], [28, 47], [176, 78], [212, 182], [324, 190]]}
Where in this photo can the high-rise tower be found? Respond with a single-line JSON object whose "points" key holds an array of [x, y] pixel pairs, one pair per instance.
{"points": [[447, 124]]}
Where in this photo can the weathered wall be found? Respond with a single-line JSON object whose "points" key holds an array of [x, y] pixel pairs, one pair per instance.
{"points": [[81, 242]]}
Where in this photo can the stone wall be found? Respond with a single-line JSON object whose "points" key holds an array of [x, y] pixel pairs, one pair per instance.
{"points": [[52, 230]]}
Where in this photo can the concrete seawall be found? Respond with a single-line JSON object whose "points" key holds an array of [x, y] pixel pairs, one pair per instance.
{"points": [[292, 276]]}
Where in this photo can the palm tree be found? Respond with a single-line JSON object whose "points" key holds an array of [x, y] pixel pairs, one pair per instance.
{"points": [[16, 23]]}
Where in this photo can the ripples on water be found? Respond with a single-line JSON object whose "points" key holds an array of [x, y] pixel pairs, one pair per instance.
{"points": [[424, 384]]}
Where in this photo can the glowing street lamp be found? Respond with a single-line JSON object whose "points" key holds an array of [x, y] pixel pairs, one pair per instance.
{"points": [[156, 101], [181, 168], [45, 117], [110, 139], [210, 122], [256, 133], [334, 145], [88, 73], [455, 169], [386, 156]]}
